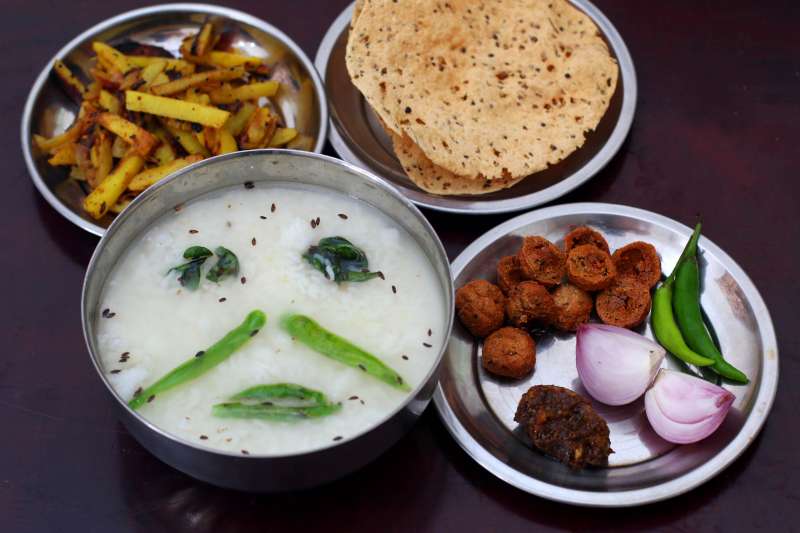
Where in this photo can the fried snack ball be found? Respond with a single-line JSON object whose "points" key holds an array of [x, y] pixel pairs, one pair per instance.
{"points": [[529, 304], [584, 235], [623, 304], [590, 268], [563, 425], [509, 352], [573, 306], [638, 262], [480, 306], [541, 261], [509, 273]]}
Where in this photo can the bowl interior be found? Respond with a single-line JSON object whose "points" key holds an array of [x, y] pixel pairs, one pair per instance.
{"points": [[270, 167], [369, 145], [53, 111], [484, 405]]}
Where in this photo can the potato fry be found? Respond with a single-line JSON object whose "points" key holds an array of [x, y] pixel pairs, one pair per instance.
{"points": [[165, 152], [188, 141], [193, 95], [238, 120], [252, 91], [101, 155], [121, 204], [178, 65], [172, 107], [109, 102], [221, 59], [203, 40], [200, 78], [110, 56], [227, 143], [86, 117], [63, 155], [148, 177], [301, 142], [119, 148], [140, 139], [153, 69], [282, 136], [111, 188], [259, 130], [75, 88]]}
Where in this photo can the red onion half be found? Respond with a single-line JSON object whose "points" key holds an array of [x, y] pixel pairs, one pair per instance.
{"points": [[615, 364], [685, 409]]}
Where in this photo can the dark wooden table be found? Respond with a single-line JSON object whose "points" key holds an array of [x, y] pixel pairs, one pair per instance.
{"points": [[716, 133]]}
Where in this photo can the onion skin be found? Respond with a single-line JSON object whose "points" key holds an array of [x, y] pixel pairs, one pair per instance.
{"points": [[616, 365], [684, 409]]}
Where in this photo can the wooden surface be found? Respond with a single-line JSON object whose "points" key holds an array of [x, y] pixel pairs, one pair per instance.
{"points": [[716, 133]]}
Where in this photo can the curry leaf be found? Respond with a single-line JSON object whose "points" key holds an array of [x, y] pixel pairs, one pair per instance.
{"points": [[227, 265], [339, 260]]}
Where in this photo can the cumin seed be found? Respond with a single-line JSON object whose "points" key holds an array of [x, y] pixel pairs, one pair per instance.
{"points": [[249, 185], [342, 216]]}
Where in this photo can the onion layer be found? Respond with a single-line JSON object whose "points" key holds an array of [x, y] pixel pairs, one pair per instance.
{"points": [[685, 409], [615, 364]]}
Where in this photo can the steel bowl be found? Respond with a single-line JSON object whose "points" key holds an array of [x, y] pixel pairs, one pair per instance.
{"points": [[49, 111], [264, 473]]}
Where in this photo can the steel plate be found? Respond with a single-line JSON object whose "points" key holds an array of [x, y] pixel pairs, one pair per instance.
{"points": [[478, 409], [359, 139]]}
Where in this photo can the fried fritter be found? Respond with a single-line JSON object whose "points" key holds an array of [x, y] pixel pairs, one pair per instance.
{"points": [[590, 268], [529, 304], [624, 304], [509, 273], [638, 262], [480, 306], [541, 261], [584, 235], [509, 352], [573, 306], [565, 426]]}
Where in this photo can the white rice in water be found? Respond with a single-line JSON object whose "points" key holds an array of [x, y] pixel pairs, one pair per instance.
{"points": [[162, 324]]}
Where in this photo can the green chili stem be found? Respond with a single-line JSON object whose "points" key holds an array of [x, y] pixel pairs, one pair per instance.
{"points": [[307, 331], [197, 366]]}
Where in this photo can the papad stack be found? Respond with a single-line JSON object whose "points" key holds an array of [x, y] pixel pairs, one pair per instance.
{"points": [[476, 96]]}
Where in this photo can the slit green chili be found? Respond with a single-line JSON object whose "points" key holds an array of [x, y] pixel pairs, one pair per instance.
{"points": [[665, 327], [686, 302], [275, 413], [316, 404], [205, 360], [307, 331]]}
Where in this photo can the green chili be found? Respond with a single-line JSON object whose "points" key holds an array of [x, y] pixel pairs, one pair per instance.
{"points": [[307, 331], [281, 391], [273, 413], [316, 404], [663, 320], [666, 329], [204, 360], [686, 302]]}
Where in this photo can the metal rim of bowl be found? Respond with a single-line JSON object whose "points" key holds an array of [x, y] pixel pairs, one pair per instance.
{"points": [[153, 190], [765, 396], [233, 14], [454, 204]]}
